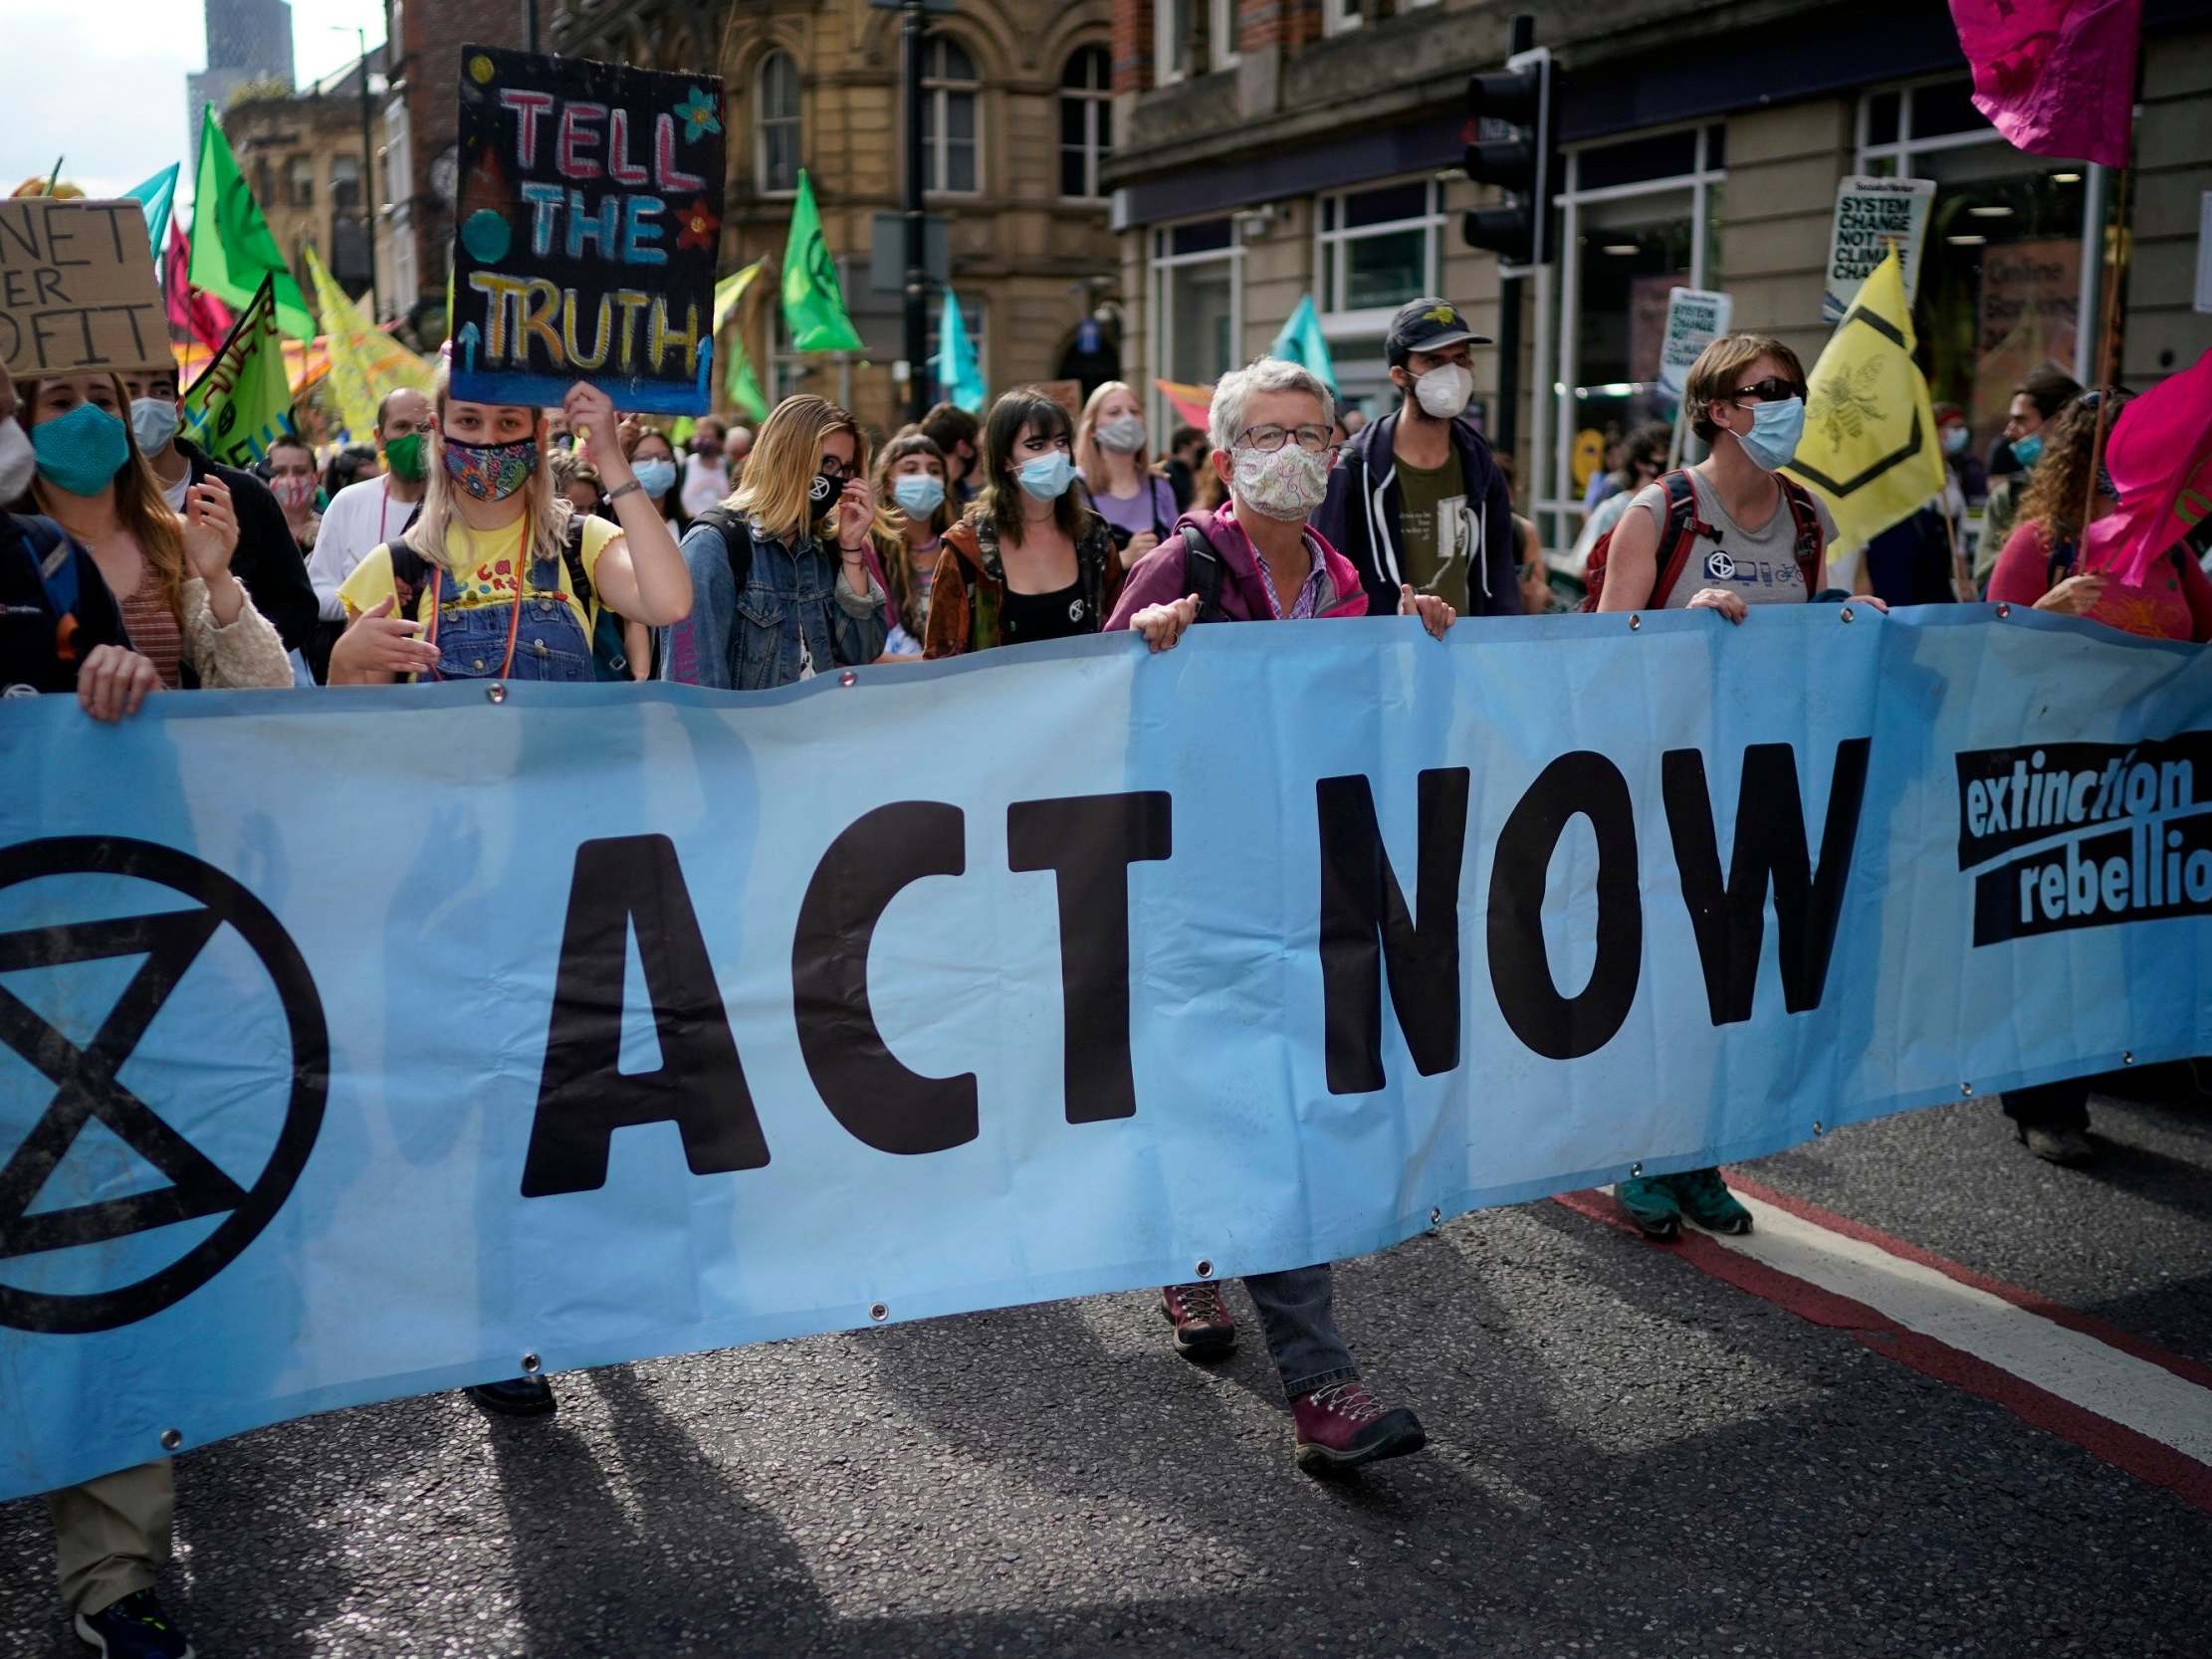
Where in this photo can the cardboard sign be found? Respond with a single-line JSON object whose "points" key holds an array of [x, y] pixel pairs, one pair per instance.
{"points": [[1695, 320], [77, 288], [586, 231], [1870, 214]]}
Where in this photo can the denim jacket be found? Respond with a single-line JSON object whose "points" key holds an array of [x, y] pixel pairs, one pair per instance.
{"points": [[796, 616]]}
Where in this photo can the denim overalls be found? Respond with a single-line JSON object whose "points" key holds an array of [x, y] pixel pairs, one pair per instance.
{"points": [[550, 643]]}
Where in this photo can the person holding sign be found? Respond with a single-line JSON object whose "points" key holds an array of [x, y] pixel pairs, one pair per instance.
{"points": [[494, 549], [182, 604], [1257, 561], [781, 567]]}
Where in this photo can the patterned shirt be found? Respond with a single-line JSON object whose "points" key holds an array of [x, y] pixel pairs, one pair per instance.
{"points": [[1307, 603]]}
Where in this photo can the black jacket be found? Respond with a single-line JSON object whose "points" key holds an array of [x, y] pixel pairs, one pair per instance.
{"points": [[1363, 497], [268, 561]]}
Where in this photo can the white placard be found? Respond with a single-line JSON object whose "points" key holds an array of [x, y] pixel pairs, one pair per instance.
{"points": [[1694, 319], [1870, 214]]}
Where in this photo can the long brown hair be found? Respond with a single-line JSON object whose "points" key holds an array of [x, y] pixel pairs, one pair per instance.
{"points": [[1003, 496], [141, 507], [2059, 487], [890, 544]]}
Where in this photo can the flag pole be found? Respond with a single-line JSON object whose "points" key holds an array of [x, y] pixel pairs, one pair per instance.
{"points": [[2112, 268]]}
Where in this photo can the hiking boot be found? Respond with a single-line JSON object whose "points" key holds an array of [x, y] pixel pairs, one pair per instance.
{"points": [[1706, 1201], [1341, 1426], [2058, 1146], [1651, 1203], [1203, 1327], [524, 1396], [135, 1628]]}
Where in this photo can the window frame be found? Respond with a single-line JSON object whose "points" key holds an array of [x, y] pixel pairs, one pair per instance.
{"points": [[1159, 279], [1098, 118], [762, 121], [1168, 69], [1556, 284], [1330, 246], [937, 95]]}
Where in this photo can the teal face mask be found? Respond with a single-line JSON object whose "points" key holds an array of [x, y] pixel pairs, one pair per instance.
{"points": [[2029, 450], [80, 452]]}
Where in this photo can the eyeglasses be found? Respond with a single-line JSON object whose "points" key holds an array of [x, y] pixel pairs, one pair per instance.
{"points": [[1769, 391], [833, 467], [1314, 440]]}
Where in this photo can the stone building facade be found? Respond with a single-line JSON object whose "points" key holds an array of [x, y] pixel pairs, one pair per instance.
{"points": [[303, 156]]}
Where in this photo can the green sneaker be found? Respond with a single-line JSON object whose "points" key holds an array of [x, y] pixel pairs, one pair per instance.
{"points": [[1704, 1197], [1651, 1203]]}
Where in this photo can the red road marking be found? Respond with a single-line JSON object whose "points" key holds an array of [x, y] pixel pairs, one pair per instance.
{"points": [[2146, 1459]]}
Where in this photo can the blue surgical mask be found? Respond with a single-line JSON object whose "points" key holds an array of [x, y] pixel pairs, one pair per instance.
{"points": [[82, 451], [1775, 430], [153, 423], [2027, 451], [1049, 475], [918, 494], [655, 477]]}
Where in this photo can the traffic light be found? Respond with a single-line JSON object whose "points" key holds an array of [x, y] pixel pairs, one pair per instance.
{"points": [[1517, 97]]}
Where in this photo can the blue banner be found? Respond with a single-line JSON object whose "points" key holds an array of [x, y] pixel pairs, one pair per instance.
{"points": [[359, 1043]]}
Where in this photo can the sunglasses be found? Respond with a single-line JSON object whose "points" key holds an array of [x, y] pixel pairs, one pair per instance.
{"points": [[1769, 391]]}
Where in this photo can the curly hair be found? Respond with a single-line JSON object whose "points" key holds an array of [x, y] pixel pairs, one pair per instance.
{"points": [[2058, 488]]}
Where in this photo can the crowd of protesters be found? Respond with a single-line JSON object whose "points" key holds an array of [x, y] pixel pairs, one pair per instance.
{"points": [[476, 541]]}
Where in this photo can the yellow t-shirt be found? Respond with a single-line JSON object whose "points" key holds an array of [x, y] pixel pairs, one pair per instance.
{"points": [[487, 572]]}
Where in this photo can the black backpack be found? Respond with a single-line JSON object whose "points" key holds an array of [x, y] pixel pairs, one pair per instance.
{"points": [[736, 541], [1202, 573]]}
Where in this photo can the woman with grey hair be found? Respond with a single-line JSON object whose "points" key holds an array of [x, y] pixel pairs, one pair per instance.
{"points": [[1257, 561]]}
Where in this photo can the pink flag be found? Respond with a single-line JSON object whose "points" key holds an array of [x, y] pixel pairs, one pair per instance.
{"points": [[2055, 76], [199, 314], [2161, 456]]}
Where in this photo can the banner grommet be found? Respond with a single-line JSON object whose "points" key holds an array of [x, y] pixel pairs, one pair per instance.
{"points": [[1847, 614], [171, 1439], [2003, 609], [848, 677], [879, 1312], [495, 693], [531, 1365], [1203, 1269], [1818, 1131], [1966, 1091], [1635, 622]]}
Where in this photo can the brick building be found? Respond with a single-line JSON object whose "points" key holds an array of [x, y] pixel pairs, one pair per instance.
{"points": [[302, 156], [1269, 148]]}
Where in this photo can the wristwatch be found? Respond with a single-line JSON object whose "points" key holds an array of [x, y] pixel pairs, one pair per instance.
{"points": [[621, 489]]}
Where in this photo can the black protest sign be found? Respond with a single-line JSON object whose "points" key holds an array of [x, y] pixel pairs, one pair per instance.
{"points": [[77, 288], [587, 231]]}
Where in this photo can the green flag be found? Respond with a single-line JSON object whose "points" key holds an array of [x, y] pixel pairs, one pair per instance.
{"points": [[744, 390], [1301, 341], [813, 305], [232, 246], [242, 401]]}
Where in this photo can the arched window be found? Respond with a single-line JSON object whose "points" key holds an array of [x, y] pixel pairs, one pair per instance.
{"points": [[1086, 103], [948, 121], [775, 123]]}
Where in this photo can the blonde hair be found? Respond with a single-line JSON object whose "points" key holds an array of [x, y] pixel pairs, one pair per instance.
{"points": [[780, 468], [1088, 459], [1719, 366], [140, 506], [545, 513]]}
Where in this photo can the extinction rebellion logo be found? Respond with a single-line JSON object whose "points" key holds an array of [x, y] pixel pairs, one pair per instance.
{"points": [[2084, 835]]}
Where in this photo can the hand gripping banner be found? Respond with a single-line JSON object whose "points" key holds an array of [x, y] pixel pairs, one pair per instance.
{"points": [[359, 1043]]}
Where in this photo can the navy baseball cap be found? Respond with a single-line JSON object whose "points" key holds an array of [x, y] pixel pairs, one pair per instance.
{"points": [[1427, 324]]}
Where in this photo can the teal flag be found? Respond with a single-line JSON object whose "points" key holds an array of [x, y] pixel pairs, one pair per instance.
{"points": [[1300, 342], [156, 196], [958, 372]]}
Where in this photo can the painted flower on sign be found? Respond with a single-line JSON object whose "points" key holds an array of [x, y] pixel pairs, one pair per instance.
{"points": [[699, 226], [697, 113]]}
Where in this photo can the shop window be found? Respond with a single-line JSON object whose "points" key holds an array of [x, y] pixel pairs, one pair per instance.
{"points": [[950, 93], [775, 124], [2002, 266], [1197, 305], [1374, 251], [1086, 105]]}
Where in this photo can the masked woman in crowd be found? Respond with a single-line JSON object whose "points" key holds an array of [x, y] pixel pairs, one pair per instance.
{"points": [[2042, 565], [294, 480], [106, 592], [910, 485], [1114, 462], [1029, 561], [781, 568], [170, 575], [2034, 401]]}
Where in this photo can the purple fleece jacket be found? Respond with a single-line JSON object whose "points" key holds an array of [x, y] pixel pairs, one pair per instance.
{"points": [[1160, 578]]}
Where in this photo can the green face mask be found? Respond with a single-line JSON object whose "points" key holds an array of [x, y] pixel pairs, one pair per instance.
{"points": [[403, 455]]}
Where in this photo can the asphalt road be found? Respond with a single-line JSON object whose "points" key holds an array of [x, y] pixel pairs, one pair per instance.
{"points": [[1628, 1457]]}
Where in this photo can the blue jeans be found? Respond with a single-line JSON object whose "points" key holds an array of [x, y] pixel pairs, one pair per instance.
{"points": [[1296, 1313]]}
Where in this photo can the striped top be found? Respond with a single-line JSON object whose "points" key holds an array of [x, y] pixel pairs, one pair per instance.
{"points": [[154, 631]]}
